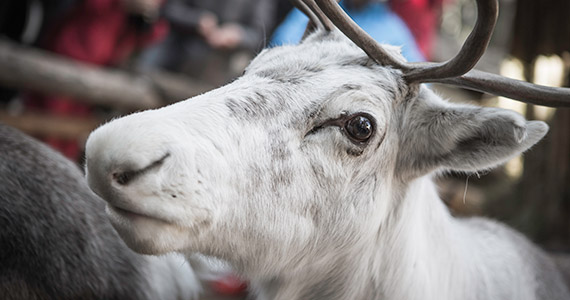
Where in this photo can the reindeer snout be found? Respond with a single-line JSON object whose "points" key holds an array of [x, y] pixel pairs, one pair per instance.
{"points": [[110, 175], [117, 158]]}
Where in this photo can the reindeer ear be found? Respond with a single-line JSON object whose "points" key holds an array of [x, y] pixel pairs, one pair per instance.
{"points": [[439, 135]]}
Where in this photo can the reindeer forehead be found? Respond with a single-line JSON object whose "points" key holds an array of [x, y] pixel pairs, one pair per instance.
{"points": [[318, 52], [299, 79]]}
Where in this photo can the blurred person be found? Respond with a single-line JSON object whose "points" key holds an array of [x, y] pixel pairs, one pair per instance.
{"points": [[375, 17], [104, 32], [211, 39], [422, 18], [98, 32]]}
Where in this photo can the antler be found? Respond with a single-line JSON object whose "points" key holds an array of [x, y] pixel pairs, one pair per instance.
{"points": [[455, 71], [510, 88], [311, 10], [343, 22], [471, 51]]}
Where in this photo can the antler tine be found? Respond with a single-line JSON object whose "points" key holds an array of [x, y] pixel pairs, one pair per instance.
{"points": [[313, 20], [343, 22], [311, 10], [327, 24], [511, 88], [470, 53]]}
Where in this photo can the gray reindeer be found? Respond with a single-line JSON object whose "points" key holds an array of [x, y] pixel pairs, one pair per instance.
{"points": [[57, 243], [312, 173]]}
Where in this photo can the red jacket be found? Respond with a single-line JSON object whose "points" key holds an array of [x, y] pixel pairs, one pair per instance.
{"points": [[99, 32], [422, 17]]}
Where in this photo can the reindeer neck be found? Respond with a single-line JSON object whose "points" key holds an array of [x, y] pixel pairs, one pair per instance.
{"points": [[410, 249], [419, 247], [344, 277]]}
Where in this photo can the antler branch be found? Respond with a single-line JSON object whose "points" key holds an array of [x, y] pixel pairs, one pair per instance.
{"points": [[469, 54], [320, 15], [345, 24], [316, 16], [511, 88], [300, 5]]}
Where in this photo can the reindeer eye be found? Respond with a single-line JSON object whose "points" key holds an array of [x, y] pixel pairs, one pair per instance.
{"points": [[359, 128]]}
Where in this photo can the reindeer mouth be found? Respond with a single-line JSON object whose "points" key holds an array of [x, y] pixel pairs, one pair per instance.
{"points": [[133, 215]]}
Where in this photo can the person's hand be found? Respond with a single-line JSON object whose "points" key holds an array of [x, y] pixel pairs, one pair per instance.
{"points": [[207, 25], [226, 37], [146, 8]]}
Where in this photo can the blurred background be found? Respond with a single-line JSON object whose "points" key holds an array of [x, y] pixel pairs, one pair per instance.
{"points": [[68, 65]]}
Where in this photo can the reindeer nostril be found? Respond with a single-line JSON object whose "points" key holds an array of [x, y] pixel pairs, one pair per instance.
{"points": [[125, 177]]}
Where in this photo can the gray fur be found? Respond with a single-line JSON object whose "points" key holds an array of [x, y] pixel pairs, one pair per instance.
{"points": [[55, 240]]}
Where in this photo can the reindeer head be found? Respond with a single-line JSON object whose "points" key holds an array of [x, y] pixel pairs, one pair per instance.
{"points": [[304, 153]]}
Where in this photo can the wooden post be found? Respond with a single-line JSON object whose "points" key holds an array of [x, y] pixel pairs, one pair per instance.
{"points": [[63, 127], [31, 69]]}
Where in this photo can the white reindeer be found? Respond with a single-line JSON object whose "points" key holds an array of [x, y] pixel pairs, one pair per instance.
{"points": [[57, 243], [311, 174]]}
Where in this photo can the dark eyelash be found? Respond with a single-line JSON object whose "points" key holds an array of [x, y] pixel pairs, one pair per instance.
{"points": [[339, 121]]}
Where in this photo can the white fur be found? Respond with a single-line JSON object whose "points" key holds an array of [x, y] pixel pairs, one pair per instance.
{"points": [[248, 174], [171, 277]]}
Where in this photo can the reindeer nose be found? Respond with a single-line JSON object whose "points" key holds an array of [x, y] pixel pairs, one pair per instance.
{"points": [[124, 177]]}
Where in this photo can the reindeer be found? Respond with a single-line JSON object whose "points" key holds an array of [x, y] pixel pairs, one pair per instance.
{"points": [[312, 173], [57, 243]]}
